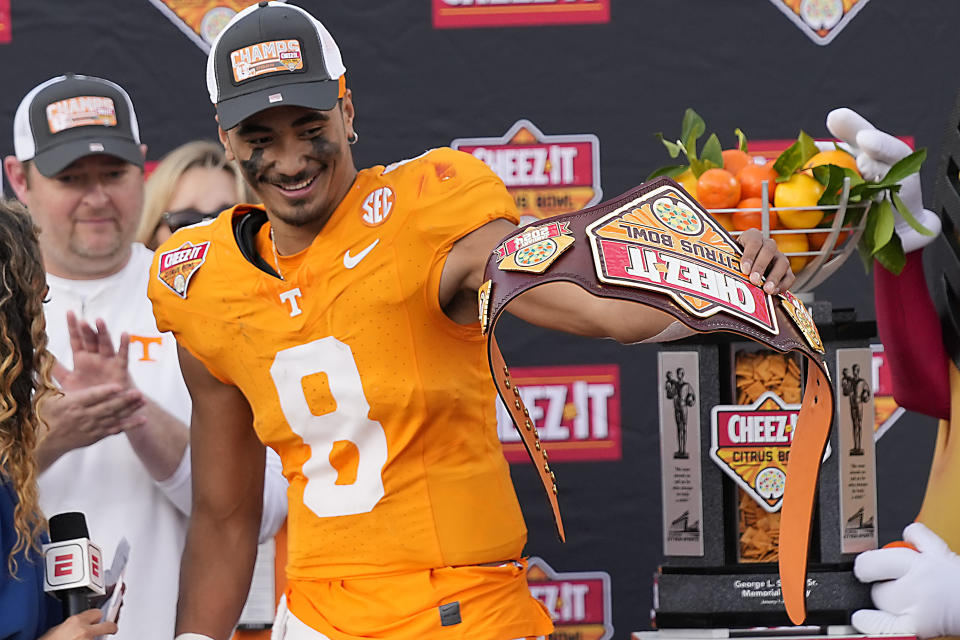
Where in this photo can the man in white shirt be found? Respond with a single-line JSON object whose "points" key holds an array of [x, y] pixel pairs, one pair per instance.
{"points": [[117, 449]]}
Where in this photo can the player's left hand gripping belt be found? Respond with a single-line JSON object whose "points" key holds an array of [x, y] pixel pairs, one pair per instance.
{"points": [[657, 247]]}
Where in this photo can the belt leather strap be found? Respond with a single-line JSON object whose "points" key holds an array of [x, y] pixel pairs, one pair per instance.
{"points": [[640, 247]]}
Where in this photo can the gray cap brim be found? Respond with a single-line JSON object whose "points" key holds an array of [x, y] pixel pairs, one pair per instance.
{"points": [[50, 162], [321, 96]]}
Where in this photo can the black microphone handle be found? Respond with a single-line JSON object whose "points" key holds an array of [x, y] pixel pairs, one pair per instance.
{"points": [[75, 601]]}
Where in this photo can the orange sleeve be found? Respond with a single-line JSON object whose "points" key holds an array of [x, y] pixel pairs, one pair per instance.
{"points": [[187, 317], [460, 194]]}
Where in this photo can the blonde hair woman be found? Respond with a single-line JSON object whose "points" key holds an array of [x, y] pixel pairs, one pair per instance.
{"points": [[25, 366], [193, 182]]}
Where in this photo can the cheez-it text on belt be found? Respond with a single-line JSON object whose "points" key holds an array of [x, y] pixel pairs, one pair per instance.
{"points": [[656, 246]]}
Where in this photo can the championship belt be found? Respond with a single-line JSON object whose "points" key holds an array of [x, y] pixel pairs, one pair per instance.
{"points": [[658, 247]]}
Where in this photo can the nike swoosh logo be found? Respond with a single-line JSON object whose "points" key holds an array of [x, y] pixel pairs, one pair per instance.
{"points": [[350, 261]]}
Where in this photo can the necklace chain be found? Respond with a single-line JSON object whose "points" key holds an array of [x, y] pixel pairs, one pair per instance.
{"points": [[276, 259]]}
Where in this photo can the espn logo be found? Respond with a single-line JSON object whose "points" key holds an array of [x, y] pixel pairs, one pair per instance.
{"points": [[73, 563]]}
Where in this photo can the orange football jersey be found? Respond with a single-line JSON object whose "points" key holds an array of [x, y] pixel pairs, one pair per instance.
{"points": [[380, 406]]}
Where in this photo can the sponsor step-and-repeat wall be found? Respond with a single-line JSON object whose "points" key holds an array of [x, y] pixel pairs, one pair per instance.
{"points": [[562, 99]]}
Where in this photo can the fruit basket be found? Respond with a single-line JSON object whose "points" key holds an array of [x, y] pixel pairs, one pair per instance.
{"points": [[827, 247], [811, 200]]}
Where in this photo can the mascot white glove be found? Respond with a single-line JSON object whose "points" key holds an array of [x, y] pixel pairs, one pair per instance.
{"points": [[876, 152], [917, 592]]}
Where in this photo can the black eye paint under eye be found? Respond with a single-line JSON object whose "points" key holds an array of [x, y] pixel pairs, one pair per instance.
{"points": [[324, 149], [252, 166]]}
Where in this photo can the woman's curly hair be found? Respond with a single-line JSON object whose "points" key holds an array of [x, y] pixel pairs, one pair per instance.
{"points": [[25, 366]]}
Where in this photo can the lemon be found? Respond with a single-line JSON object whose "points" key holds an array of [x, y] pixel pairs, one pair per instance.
{"points": [[793, 243], [689, 182], [800, 190], [838, 157]]}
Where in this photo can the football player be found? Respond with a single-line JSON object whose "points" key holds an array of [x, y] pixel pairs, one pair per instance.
{"points": [[338, 325]]}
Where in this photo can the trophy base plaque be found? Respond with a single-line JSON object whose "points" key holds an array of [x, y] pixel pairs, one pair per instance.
{"points": [[698, 597]]}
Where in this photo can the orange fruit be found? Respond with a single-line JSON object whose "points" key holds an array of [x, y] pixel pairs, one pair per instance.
{"points": [[718, 189], [793, 243], [816, 240], [838, 157], [689, 182], [734, 160], [800, 190], [751, 179], [725, 220], [743, 220], [899, 543]]}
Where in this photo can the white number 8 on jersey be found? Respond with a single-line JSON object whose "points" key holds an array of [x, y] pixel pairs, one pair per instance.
{"points": [[348, 422]]}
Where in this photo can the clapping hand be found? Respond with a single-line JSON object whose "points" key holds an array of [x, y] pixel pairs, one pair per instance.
{"points": [[99, 398]]}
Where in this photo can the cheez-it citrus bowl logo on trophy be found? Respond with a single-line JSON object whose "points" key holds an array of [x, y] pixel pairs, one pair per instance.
{"points": [[546, 174], [751, 444], [578, 603], [513, 13], [661, 241], [200, 20], [821, 20]]}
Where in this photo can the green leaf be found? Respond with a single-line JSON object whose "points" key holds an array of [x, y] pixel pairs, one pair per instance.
{"points": [[671, 170], [697, 167], [794, 156], [832, 176], [854, 214], [891, 256], [673, 148], [905, 167], [866, 191], [808, 147], [882, 228], [741, 139], [866, 255], [691, 129], [712, 151], [787, 162], [908, 215]]}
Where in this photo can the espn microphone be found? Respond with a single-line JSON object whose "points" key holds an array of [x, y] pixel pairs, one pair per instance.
{"points": [[73, 566]]}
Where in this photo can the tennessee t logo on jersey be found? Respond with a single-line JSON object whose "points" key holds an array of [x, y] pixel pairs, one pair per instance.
{"points": [[377, 206], [177, 266], [290, 297]]}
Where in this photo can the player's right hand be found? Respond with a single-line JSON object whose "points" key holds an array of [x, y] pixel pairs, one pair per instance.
{"points": [[916, 592], [83, 626], [877, 151]]}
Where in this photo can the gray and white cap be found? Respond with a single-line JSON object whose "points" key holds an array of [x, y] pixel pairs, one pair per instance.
{"points": [[273, 54], [72, 116]]}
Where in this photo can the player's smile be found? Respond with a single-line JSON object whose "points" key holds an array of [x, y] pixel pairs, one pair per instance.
{"points": [[296, 188]]}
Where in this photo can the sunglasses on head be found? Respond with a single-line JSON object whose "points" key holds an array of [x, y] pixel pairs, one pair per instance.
{"points": [[186, 217]]}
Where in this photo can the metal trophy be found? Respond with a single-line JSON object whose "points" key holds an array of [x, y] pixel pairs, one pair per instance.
{"points": [[727, 414]]}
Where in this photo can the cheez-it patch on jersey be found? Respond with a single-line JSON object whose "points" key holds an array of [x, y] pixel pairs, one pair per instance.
{"points": [[177, 267]]}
